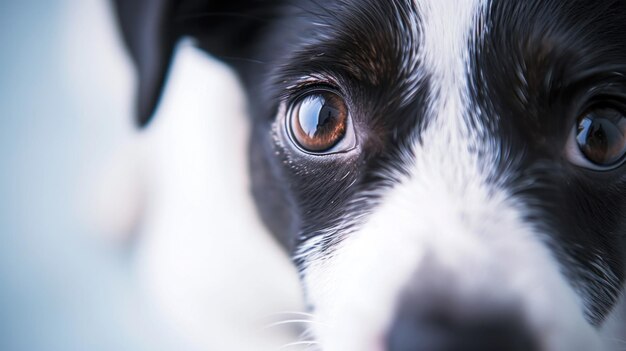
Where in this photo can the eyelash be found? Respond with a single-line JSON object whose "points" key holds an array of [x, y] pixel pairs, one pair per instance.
{"points": [[294, 87]]}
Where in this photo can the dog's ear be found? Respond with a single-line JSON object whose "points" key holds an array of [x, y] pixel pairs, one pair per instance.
{"points": [[151, 28]]}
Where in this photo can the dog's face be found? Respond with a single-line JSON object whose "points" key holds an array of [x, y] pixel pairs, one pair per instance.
{"points": [[448, 175]]}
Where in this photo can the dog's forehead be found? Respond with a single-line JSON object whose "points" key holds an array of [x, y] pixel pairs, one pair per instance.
{"points": [[508, 62], [374, 41]]}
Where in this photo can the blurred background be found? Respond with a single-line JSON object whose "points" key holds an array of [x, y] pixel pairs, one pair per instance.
{"points": [[62, 107], [68, 281]]}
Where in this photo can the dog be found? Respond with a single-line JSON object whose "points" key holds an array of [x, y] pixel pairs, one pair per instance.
{"points": [[446, 175]]}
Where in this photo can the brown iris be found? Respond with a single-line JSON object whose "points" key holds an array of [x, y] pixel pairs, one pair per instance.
{"points": [[601, 136], [318, 120]]}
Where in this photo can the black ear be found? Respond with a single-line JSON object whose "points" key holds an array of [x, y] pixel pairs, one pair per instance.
{"points": [[151, 29]]}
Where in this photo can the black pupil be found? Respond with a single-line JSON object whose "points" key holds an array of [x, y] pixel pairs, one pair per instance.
{"points": [[318, 115], [602, 136]]}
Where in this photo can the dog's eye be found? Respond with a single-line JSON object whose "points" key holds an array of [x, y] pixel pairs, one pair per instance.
{"points": [[318, 120], [600, 137]]}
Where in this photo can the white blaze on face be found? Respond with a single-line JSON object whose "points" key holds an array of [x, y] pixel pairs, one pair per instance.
{"points": [[445, 213]]}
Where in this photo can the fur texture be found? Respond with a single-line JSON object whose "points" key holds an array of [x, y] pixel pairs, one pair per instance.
{"points": [[459, 184]]}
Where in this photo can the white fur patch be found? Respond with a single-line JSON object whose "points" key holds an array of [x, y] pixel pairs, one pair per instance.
{"points": [[205, 259], [448, 214]]}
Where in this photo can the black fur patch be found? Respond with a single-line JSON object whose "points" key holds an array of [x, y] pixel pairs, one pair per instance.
{"points": [[537, 68]]}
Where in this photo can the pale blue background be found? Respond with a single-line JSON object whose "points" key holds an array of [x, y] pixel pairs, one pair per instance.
{"points": [[59, 288]]}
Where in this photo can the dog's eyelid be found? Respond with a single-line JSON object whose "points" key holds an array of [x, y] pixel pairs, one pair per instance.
{"points": [[602, 73], [303, 84]]}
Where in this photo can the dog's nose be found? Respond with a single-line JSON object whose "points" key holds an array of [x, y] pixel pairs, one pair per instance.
{"points": [[444, 328]]}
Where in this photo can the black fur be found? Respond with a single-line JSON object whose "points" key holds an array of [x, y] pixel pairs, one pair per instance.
{"points": [[539, 68]]}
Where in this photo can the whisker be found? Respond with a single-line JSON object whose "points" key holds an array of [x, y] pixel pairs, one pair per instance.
{"points": [[615, 339], [619, 343], [298, 343], [297, 313], [290, 321], [242, 59]]}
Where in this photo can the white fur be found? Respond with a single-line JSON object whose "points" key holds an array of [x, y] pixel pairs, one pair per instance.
{"points": [[205, 258], [446, 214], [205, 263]]}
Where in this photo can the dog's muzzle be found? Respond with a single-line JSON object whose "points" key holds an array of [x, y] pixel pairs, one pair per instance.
{"points": [[432, 315]]}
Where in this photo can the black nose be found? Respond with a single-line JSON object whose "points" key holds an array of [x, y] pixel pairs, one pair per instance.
{"points": [[441, 327]]}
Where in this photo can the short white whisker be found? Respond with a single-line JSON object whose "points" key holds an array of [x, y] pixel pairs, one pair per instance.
{"points": [[291, 321], [295, 313], [298, 343]]}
